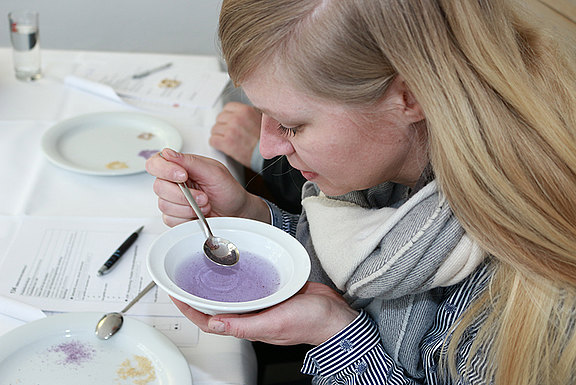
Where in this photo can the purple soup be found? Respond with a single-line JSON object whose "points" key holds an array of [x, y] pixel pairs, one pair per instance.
{"points": [[253, 277]]}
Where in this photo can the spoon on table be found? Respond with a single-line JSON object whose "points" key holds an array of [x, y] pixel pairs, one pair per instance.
{"points": [[218, 250], [110, 323]]}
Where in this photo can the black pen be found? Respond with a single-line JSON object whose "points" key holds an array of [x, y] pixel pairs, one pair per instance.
{"points": [[119, 252]]}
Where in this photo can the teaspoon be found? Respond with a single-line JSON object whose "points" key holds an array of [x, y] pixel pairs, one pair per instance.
{"points": [[218, 250], [110, 323]]}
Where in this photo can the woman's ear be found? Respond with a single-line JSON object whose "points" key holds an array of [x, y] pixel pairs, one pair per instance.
{"points": [[412, 107], [400, 95]]}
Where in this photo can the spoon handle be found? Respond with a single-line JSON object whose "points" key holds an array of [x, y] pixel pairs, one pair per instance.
{"points": [[196, 209], [140, 295]]}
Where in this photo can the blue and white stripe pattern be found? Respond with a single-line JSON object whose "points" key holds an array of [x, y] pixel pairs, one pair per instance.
{"points": [[283, 219], [356, 356], [353, 356]]}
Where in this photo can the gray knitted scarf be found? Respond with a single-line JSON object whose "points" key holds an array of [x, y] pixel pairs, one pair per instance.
{"points": [[389, 255]]}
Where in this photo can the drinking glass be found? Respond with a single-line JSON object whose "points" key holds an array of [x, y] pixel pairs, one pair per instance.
{"points": [[25, 44]]}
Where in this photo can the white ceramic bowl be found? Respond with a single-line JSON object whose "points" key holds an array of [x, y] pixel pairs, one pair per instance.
{"points": [[180, 242]]}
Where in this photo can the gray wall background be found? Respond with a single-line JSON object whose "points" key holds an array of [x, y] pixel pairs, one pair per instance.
{"points": [[161, 26]]}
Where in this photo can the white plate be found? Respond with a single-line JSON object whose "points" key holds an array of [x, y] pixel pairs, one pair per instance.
{"points": [[108, 143], [63, 349]]}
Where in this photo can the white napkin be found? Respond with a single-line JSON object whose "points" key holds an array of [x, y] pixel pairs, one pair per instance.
{"points": [[92, 87], [19, 310]]}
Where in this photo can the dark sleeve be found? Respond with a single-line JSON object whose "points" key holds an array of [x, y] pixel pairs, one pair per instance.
{"points": [[284, 183]]}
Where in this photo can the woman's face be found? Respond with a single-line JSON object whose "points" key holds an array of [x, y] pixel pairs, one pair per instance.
{"points": [[339, 148]]}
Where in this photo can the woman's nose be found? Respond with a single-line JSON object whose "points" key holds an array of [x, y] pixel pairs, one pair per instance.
{"points": [[272, 141]]}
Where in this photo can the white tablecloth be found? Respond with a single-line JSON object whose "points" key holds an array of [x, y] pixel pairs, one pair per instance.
{"points": [[33, 187]]}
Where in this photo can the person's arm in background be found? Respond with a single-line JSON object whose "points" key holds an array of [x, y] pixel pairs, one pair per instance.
{"points": [[237, 132]]}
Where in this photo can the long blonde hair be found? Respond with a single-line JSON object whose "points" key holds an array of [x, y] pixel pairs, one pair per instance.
{"points": [[500, 103]]}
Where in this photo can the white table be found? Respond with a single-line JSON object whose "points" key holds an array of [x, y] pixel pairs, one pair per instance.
{"points": [[32, 187]]}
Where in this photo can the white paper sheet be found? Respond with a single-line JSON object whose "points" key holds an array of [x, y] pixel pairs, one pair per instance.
{"points": [[52, 264], [179, 329], [176, 87], [19, 310]]}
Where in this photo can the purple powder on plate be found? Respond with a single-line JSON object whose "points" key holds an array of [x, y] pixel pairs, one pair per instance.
{"points": [[147, 153], [253, 277], [75, 352]]}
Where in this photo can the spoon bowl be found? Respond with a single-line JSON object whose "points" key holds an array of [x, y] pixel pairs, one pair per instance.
{"points": [[219, 250], [223, 249], [110, 323]]}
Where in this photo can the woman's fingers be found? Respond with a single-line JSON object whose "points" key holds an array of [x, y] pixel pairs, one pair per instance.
{"points": [[161, 166], [173, 204], [198, 318]]}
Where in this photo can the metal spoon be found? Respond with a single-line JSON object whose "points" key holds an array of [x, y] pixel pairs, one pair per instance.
{"points": [[110, 323], [218, 250]]}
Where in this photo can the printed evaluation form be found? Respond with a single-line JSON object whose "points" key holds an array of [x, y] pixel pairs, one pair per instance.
{"points": [[53, 263]]}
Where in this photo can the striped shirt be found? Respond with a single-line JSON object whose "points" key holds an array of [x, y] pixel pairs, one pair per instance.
{"points": [[356, 355]]}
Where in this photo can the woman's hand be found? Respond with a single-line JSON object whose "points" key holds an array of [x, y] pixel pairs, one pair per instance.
{"points": [[213, 187], [312, 316]]}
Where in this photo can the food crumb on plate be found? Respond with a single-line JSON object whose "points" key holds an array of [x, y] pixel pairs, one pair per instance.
{"points": [[116, 165], [141, 372]]}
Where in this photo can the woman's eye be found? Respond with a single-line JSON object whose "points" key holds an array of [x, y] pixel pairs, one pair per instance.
{"points": [[287, 131]]}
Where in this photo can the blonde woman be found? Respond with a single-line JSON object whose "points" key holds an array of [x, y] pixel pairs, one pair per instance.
{"points": [[439, 141]]}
